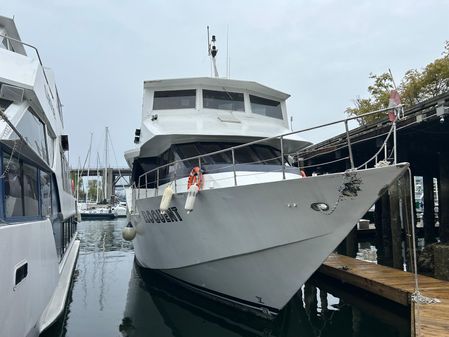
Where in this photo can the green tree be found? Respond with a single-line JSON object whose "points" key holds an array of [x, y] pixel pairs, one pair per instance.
{"points": [[416, 86], [379, 98], [92, 190]]}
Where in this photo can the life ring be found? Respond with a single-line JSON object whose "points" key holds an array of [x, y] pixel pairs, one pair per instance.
{"points": [[303, 173], [195, 178]]}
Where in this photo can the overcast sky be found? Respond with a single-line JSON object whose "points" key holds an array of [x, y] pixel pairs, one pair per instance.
{"points": [[321, 52]]}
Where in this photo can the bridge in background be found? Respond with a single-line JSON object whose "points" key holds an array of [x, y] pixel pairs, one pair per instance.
{"points": [[116, 177]]}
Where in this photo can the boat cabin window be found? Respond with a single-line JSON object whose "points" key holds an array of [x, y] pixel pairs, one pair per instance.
{"points": [[13, 187], [34, 129], [174, 99], [4, 104], [223, 100], [30, 195], [45, 182], [265, 107], [27, 189], [253, 154]]}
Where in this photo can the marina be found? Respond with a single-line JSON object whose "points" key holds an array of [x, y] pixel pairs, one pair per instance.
{"points": [[231, 218], [113, 297]]}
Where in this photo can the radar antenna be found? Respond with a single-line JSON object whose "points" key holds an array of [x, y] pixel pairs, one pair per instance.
{"points": [[212, 50]]}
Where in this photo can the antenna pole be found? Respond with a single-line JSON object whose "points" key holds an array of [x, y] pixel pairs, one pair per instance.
{"points": [[227, 51], [212, 51]]}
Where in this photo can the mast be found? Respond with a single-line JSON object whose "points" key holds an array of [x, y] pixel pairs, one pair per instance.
{"points": [[106, 164], [78, 181], [98, 174], [88, 167]]}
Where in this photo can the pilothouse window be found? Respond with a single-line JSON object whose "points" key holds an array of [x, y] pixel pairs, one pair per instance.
{"points": [[223, 100], [174, 99], [265, 107]]}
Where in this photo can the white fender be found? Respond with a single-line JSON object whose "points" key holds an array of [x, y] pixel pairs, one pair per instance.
{"points": [[129, 232], [191, 197], [166, 199]]}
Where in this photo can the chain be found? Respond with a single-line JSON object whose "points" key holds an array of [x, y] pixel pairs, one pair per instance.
{"points": [[348, 188]]}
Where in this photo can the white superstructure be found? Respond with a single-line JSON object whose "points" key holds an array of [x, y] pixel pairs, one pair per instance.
{"points": [[216, 203], [37, 229]]}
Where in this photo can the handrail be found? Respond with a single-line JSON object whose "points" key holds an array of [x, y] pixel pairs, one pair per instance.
{"points": [[38, 56], [279, 137]]}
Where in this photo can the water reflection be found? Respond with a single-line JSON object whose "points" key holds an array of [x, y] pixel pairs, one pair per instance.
{"points": [[111, 296], [156, 304]]}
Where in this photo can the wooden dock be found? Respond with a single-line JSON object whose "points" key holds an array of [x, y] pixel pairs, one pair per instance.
{"points": [[397, 286]]}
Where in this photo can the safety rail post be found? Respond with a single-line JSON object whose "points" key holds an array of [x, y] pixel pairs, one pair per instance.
{"points": [[233, 167], [139, 187], [174, 177], [157, 182], [146, 185], [282, 158], [351, 159], [394, 143]]}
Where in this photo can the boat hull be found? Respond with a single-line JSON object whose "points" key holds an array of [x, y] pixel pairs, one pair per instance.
{"points": [[32, 244], [97, 216], [256, 244]]}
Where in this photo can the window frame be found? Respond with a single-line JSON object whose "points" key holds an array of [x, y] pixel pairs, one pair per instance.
{"points": [[191, 97], [281, 117], [224, 93], [6, 152]]}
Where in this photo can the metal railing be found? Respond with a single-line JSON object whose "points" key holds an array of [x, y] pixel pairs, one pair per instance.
{"points": [[145, 176], [38, 56]]}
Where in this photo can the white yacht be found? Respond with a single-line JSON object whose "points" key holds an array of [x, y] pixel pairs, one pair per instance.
{"points": [[215, 203], [38, 249]]}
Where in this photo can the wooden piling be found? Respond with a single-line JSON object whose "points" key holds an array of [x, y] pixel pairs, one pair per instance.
{"points": [[395, 227], [429, 210], [443, 196]]}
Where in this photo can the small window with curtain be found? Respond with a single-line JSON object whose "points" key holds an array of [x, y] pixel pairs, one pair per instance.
{"points": [[265, 107], [13, 186], [174, 99], [45, 183], [223, 100], [30, 191]]}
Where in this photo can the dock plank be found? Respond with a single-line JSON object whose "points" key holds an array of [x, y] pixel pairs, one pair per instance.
{"points": [[398, 286]]}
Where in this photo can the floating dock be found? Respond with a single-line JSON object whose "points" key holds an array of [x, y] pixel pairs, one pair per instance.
{"points": [[397, 286]]}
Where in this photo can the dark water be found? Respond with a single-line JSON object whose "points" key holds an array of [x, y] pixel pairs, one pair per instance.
{"points": [[111, 296]]}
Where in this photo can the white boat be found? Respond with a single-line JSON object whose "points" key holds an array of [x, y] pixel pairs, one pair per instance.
{"points": [[120, 210], [215, 203], [38, 249]]}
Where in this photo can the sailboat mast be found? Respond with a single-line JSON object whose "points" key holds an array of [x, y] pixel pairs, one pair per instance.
{"points": [[88, 167], [78, 181], [98, 174], [106, 164]]}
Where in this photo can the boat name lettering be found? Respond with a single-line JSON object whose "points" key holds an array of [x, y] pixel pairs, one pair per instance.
{"points": [[155, 215]]}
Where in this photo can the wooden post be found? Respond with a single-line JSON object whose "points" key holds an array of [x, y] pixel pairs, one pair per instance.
{"points": [[351, 243], [443, 197], [429, 210], [395, 221], [386, 232], [407, 215], [379, 229]]}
